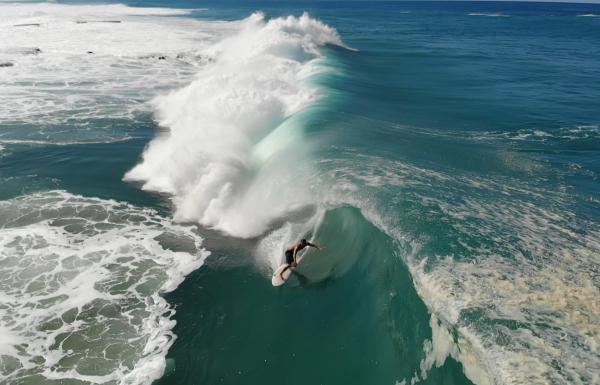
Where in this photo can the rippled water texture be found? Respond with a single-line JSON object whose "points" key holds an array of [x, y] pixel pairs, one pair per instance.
{"points": [[156, 159]]}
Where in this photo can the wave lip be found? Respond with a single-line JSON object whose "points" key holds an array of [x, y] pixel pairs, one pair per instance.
{"points": [[80, 288], [234, 151]]}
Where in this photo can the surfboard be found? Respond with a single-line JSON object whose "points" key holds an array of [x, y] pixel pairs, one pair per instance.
{"points": [[276, 280]]}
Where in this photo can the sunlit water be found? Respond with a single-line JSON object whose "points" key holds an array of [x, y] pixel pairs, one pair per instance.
{"points": [[157, 158]]}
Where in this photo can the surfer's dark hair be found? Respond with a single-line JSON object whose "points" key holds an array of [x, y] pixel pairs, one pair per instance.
{"points": [[303, 241]]}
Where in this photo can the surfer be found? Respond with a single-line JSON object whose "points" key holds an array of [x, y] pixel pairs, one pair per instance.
{"points": [[292, 252]]}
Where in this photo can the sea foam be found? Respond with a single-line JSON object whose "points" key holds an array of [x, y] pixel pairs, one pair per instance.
{"points": [[80, 285], [86, 72]]}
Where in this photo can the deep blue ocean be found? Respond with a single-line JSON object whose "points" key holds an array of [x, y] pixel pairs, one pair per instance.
{"points": [[158, 157]]}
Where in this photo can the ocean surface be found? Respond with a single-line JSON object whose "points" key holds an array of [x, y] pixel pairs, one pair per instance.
{"points": [[157, 157]]}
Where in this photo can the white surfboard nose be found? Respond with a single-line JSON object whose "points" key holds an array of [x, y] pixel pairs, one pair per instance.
{"points": [[279, 279]]}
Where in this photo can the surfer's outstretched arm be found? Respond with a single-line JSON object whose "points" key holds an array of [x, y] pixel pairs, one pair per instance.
{"points": [[314, 245]]}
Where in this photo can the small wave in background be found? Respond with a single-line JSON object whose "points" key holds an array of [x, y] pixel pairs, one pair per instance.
{"points": [[88, 71]]}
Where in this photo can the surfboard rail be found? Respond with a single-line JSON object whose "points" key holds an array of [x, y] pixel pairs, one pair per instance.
{"points": [[279, 279]]}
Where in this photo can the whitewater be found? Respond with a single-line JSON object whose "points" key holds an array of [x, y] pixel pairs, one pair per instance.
{"points": [[229, 155]]}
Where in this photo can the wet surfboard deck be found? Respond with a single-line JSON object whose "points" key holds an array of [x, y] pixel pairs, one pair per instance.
{"points": [[277, 279]]}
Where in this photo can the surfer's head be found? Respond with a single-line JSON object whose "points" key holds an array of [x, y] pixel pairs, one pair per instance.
{"points": [[303, 241]]}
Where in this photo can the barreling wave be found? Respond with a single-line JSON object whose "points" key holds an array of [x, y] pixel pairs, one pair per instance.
{"points": [[510, 279], [233, 148]]}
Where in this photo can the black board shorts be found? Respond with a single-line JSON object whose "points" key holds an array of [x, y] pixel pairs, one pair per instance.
{"points": [[289, 257]]}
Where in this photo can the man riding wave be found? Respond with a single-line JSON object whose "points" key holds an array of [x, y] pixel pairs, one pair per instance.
{"points": [[291, 253]]}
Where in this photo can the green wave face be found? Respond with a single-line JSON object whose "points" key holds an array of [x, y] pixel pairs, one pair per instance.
{"points": [[349, 314]]}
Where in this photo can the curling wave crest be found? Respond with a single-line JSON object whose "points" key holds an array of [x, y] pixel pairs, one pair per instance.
{"points": [[511, 282], [233, 150]]}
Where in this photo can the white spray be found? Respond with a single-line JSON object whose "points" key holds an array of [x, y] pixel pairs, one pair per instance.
{"points": [[232, 155]]}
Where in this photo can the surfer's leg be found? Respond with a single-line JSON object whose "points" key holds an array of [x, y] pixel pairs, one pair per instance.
{"points": [[283, 271], [289, 257]]}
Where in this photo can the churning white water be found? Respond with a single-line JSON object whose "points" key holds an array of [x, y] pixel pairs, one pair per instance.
{"points": [[232, 153]]}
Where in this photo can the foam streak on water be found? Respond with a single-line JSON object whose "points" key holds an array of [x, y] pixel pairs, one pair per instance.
{"points": [[80, 280]]}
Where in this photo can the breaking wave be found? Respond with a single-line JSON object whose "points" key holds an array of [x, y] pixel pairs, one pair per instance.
{"points": [[88, 71], [234, 150], [511, 282]]}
